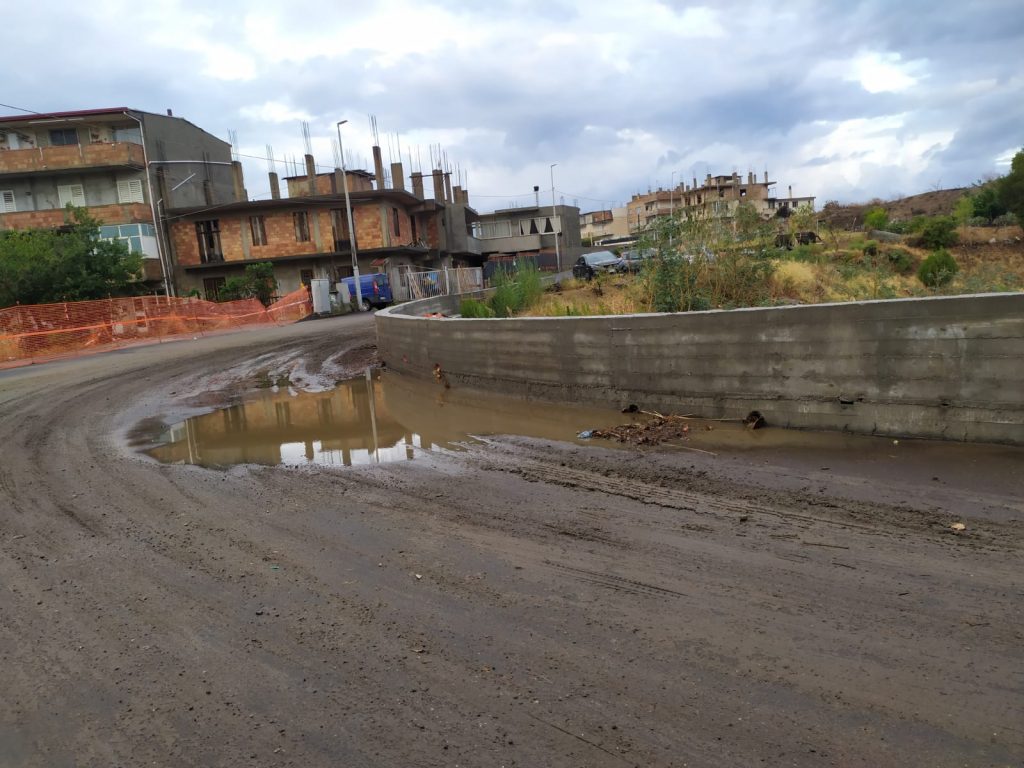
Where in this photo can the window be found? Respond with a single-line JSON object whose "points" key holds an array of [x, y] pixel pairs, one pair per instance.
{"points": [[62, 137], [7, 201], [339, 223], [743, 192], [73, 194], [396, 222], [130, 191], [208, 234], [306, 276], [212, 286], [301, 220], [258, 228]]}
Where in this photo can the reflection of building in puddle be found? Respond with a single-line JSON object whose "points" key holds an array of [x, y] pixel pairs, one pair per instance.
{"points": [[363, 421], [348, 425]]}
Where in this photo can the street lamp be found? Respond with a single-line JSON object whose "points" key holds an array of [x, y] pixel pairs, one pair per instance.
{"points": [[554, 218], [351, 226]]}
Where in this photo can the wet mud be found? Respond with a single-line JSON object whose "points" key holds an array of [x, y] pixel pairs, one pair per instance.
{"points": [[789, 600]]}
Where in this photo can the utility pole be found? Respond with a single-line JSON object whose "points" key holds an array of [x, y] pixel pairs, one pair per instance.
{"points": [[351, 226], [558, 251]]}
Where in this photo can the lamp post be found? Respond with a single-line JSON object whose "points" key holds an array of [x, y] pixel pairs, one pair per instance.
{"points": [[558, 251], [351, 226]]}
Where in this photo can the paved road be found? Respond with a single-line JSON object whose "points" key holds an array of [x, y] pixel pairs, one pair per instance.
{"points": [[574, 606]]}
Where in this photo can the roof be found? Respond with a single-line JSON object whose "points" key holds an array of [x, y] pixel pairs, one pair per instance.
{"points": [[371, 195], [62, 115]]}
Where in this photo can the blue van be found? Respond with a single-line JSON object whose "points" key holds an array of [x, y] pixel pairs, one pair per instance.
{"points": [[375, 287]]}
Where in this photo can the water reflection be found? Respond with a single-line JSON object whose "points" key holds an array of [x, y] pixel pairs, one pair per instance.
{"points": [[362, 421]]}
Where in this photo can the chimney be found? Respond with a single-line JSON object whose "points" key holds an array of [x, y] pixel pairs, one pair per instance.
{"points": [[694, 182], [378, 167], [238, 180], [790, 191], [750, 177], [766, 176], [397, 176], [311, 174], [170, 113], [275, 186], [438, 184], [417, 184], [707, 181], [448, 188], [536, 195]]}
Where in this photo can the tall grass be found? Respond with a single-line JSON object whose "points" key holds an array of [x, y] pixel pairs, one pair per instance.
{"points": [[515, 292]]}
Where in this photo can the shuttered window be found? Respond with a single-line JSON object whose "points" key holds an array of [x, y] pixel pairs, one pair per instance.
{"points": [[130, 191], [71, 193], [7, 201]]}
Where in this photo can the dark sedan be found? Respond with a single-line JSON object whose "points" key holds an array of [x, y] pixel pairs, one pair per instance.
{"points": [[590, 264]]}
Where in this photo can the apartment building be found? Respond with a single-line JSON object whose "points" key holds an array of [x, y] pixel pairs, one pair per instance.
{"points": [[596, 226], [716, 197], [125, 166], [306, 235], [531, 230]]}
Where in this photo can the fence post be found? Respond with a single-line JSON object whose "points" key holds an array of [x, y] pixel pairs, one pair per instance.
{"points": [[447, 283]]}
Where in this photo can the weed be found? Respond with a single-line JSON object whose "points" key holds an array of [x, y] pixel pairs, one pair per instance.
{"points": [[474, 308]]}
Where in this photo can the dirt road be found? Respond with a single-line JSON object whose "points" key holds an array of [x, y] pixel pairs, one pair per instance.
{"points": [[524, 603]]}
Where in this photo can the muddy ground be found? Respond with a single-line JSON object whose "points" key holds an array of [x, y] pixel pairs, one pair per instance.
{"points": [[523, 603]]}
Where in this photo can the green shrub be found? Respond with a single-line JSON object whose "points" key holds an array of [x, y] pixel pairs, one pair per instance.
{"points": [[474, 308], [876, 218], [900, 260], [870, 248], [938, 269], [938, 232], [1005, 220]]}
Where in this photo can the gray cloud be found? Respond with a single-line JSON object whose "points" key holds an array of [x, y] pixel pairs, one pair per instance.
{"points": [[847, 102]]}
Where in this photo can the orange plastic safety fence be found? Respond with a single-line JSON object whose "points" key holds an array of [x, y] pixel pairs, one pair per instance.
{"points": [[50, 330]]}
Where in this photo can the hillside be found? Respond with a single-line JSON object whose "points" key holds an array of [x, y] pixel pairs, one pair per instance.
{"points": [[851, 216]]}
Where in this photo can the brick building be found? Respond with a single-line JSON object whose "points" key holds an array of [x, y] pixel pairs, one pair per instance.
{"points": [[716, 197], [123, 165], [306, 235]]}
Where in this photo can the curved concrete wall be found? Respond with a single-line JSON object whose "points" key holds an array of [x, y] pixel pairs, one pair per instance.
{"points": [[944, 367]]}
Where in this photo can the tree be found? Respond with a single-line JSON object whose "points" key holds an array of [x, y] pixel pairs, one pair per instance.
{"points": [[72, 263], [1010, 188], [257, 283]]}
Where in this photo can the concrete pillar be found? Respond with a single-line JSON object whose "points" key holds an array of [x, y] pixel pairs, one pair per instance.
{"points": [[457, 195], [417, 184], [766, 177], [275, 186], [397, 176], [238, 181], [448, 188], [311, 174], [378, 167], [438, 184]]}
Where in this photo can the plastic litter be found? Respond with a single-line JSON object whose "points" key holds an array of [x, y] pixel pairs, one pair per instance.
{"points": [[586, 434]]}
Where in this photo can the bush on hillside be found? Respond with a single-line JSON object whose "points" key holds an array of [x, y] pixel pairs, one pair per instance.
{"points": [[938, 232], [938, 269]]}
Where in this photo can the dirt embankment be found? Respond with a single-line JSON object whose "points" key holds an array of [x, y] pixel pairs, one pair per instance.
{"points": [[522, 603], [939, 202]]}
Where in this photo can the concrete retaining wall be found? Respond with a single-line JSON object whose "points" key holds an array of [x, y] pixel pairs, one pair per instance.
{"points": [[946, 367]]}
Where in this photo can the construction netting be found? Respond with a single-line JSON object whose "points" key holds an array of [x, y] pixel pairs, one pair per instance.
{"points": [[55, 330]]}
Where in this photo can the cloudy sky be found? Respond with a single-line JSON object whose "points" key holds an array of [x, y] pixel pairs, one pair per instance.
{"points": [[842, 100]]}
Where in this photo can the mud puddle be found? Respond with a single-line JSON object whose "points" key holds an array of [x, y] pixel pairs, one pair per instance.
{"points": [[363, 421]]}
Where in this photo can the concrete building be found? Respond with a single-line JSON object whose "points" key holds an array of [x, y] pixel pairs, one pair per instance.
{"points": [[306, 234], [612, 223], [716, 197], [124, 166], [531, 231]]}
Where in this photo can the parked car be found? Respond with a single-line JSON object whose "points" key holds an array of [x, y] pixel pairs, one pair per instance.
{"points": [[589, 264], [375, 288], [633, 261]]}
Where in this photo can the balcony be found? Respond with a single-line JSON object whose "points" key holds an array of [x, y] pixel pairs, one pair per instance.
{"points": [[74, 157]]}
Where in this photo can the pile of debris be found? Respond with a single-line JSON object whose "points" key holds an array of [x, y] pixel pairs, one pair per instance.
{"points": [[661, 428]]}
